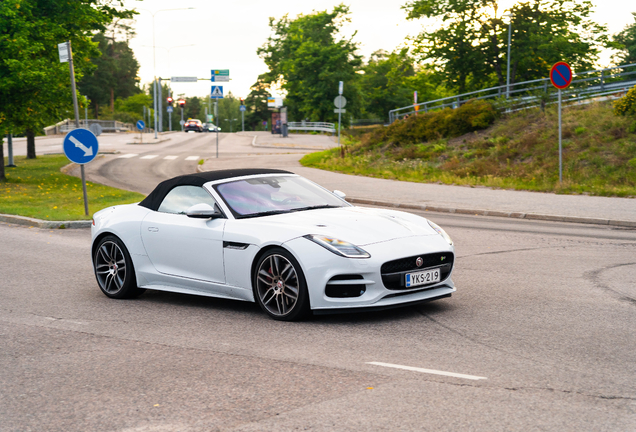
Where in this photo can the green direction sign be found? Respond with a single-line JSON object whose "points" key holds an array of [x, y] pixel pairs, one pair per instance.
{"points": [[221, 72]]}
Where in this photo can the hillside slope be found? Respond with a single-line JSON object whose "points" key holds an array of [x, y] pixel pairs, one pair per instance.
{"points": [[518, 151]]}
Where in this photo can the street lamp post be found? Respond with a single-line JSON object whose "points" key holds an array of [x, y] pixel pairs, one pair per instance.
{"points": [[231, 120], [509, 15], [154, 62]]}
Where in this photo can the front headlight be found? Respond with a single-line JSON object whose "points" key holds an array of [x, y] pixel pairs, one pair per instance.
{"points": [[441, 232], [339, 247]]}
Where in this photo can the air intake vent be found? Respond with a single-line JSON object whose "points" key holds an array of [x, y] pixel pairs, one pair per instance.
{"points": [[345, 286]]}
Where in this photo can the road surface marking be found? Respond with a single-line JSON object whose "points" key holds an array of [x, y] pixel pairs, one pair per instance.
{"points": [[148, 157], [170, 157], [428, 371], [127, 156], [192, 158]]}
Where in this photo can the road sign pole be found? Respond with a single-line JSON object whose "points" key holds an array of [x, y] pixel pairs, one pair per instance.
{"points": [[216, 116], [182, 119], [560, 152], [76, 109], [242, 121]]}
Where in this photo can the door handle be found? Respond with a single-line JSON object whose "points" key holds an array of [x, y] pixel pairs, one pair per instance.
{"points": [[153, 229]]}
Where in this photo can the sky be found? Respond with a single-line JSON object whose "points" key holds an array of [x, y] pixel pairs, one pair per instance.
{"points": [[226, 34]]}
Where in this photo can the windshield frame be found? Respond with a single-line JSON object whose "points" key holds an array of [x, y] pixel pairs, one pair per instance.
{"points": [[337, 202]]}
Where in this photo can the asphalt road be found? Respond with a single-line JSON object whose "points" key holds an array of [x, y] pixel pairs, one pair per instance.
{"points": [[540, 329]]}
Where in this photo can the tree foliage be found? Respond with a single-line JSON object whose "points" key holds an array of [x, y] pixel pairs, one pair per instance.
{"points": [[306, 59], [470, 46], [626, 40], [115, 75], [34, 84], [256, 106]]}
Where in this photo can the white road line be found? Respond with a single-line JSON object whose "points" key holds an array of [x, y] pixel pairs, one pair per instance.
{"points": [[148, 157], [128, 156], [428, 371], [170, 157], [192, 158]]}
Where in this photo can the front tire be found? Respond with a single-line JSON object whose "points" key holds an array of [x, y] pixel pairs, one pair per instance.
{"points": [[279, 285], [114, 269]]}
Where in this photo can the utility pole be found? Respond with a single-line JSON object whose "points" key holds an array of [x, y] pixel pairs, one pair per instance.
{"points": [[509, 15]]}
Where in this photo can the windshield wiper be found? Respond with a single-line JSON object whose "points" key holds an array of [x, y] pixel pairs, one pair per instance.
{"points": [[322, 206], [267, 213]]}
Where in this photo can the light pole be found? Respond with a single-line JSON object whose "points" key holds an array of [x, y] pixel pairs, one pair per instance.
{"points": [[154, 62], [509, 15], [169, 71]]}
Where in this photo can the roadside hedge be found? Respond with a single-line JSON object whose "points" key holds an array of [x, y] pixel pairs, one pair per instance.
{"points": [[627, 104], [447, 123]]}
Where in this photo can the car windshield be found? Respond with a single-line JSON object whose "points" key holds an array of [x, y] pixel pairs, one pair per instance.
{"points": [[273, 195]]}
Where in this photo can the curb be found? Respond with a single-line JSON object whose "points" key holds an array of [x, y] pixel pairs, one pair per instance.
{"points": [[495, 213], [39, 223]]}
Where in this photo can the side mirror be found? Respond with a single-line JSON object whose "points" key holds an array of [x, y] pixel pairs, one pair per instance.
{"points": [[340, 194], [203, 211]]}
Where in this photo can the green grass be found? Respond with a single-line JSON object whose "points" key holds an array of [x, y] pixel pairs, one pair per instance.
{"points": [[518, 151], [37, 188]]}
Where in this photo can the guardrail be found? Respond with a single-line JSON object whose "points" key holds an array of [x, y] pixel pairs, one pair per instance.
{"points": [[312, 126], [107, 126], [607, 82]]}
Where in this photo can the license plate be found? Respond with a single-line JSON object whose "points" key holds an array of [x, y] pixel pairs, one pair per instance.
{"points": [[423, 277]]}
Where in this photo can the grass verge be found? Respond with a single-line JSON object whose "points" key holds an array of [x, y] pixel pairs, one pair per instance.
{"points": [[519, 151], [37, 188]]}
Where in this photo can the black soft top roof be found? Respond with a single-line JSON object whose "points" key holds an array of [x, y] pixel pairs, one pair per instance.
{"points": [[153, 201]]}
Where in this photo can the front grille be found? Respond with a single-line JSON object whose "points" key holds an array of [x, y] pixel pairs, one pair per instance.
{"points": [[393, 272]]}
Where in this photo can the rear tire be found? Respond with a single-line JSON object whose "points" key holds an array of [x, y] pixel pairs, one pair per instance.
{"points": [[114, 269], [279, 286]]}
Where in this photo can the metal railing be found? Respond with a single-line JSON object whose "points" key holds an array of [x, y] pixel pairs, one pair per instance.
{"points": [[107, 126], [607, 82], [312, 126]]}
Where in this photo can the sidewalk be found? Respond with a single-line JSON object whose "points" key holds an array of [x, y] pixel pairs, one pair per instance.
{"points": [[292, 141]]}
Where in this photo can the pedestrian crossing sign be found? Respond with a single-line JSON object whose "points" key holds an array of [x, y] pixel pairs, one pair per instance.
{"points": [[217, 92]]}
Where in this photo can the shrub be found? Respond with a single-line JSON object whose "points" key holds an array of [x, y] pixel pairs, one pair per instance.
{"points": [[447, 123], [627, 104]]}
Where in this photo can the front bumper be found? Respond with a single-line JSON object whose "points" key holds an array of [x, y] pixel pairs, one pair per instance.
{"points": [[320, 267]]}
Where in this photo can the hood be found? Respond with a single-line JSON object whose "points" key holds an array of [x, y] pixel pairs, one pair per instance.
{"points": [[357, 225]]}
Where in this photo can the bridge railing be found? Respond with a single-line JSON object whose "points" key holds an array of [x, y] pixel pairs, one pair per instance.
{"points": [[312, 126], [107, 126], [607, 82]]}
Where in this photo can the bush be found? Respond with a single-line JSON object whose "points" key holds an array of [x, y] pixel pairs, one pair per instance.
{"points": [[447, 123], [627, 104]]}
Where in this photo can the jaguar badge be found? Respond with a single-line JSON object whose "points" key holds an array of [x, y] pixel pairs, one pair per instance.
{"points": [[419, 261]]}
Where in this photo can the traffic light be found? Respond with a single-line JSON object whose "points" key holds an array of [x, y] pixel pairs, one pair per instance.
{"points": [[169, 100], [242, 101], [181, 103]]}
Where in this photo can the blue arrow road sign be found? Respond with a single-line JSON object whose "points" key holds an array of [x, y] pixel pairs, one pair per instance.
{"points": [[217, 92], [140, 124], [81, 146]]}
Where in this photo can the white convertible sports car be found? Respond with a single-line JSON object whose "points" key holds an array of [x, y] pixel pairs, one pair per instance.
{"points": [[272, 237]]}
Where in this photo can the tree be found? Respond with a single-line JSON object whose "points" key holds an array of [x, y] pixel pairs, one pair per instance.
{"points": [[34, 84], [470, 48], [256, 105], [627, 41], [307, 61], [451, 48], [115, 75]]}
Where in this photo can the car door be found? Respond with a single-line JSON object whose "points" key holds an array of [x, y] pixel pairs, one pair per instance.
{"points": [[182, 246]]}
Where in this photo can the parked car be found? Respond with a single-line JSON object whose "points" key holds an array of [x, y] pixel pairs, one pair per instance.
{"points": [[193, 125], [270, 237]]}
